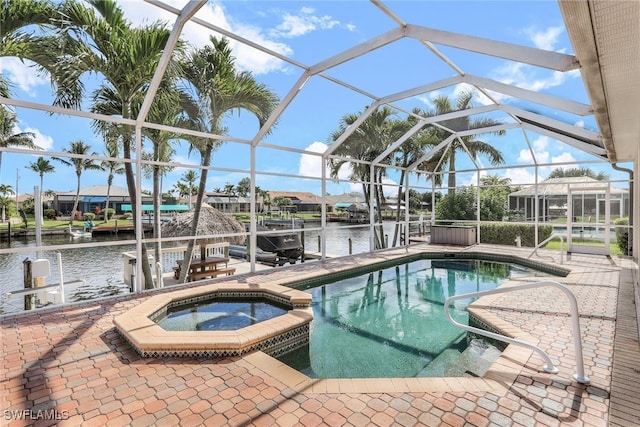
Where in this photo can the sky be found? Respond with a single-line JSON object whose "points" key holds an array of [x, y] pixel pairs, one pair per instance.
{"points": [[308, 32]]}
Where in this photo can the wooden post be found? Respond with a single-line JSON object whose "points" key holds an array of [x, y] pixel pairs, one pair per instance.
{"points": [[302, 241], [29, 299]]}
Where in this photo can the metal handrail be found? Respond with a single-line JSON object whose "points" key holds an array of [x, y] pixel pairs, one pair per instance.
{"points": [[554, 235], [549, 367]]}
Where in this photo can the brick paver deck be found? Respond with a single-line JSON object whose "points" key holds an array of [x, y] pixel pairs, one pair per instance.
{"points": [[71, 364]]}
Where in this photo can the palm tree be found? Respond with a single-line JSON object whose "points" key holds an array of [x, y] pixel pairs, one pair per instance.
{"points": [[41, 166], [114, 168], [182, 189], [230, 191], [6, 190], [189, 178], [215, 89], [15, 15], [366, 143], [407, 154], [79, 164], [126, 58], [8, 137], [576, 172], [265, 196], [475, 147], [162, 152]]}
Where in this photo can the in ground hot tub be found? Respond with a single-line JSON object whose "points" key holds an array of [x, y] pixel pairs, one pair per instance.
{"points": [[220, 314], [238, 319]]}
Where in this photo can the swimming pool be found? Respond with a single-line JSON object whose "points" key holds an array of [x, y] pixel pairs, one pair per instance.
{"points": [[390, 323]]}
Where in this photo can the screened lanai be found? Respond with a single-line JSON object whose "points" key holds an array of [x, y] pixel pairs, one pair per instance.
{"points": [[393, 67], [552, 195]]}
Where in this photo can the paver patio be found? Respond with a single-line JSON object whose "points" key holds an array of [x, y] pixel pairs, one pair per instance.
{"points": [[70, 363]]}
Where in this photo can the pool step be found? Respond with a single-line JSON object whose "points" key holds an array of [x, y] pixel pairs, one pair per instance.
{"points": [[475, 360], [440, 364]]}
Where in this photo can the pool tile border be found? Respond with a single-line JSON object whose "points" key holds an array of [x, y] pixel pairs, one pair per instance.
{"points": [[275, 336]]}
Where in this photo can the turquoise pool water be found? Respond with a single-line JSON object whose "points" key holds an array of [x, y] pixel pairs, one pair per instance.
{"points": [[391, 323], [226, 315]]}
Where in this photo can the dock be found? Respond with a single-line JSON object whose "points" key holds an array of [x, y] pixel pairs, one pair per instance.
{"points": [[119, 228]]}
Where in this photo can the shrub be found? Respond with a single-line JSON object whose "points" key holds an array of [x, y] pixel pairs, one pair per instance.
{"points": [[505, 234], [622, 234], [50, 213], [89, 216], [460, 205], [109, 212], [127, 215]]}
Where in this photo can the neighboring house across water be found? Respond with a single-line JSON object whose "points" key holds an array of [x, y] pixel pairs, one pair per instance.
{"points": [[94, 197], [227, 203], [303, 202], [552, 194], [46, 200]]}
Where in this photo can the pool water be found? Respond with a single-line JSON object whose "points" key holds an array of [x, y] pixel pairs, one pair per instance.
{"points": [[391, 323], [227, 315]]}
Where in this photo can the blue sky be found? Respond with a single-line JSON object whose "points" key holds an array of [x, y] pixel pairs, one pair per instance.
{"points": [[309, 32]]}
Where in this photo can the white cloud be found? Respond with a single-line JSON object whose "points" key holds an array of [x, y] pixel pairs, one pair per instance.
{"points": [[541, 143], [563, 158], [41, 140], [520, 176], [305, 22], [22, 74], [544, 39], [311, 165], [247, 58]]}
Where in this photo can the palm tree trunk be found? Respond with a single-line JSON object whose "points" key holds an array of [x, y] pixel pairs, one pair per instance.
{"points": [[41, 192], [131, 186], [75, 202], [106, 202], [379, 202], [206, 159], [451, 176], [396, 230], [157, 191]]}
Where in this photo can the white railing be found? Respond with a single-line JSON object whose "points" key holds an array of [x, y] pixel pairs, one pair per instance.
{"points": [[548, 239], [549, 367], [52, 293], [170, 256]]}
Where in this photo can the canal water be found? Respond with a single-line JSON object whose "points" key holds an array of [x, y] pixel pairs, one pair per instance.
{"points": [[101, 267]]}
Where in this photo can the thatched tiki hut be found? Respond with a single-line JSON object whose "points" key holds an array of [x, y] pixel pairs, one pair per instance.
{"points": [[212, 222]]}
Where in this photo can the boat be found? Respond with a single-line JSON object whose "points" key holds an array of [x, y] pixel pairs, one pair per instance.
{"points": [[269, 258], [286, 244], [78, 234], [278, 248]]}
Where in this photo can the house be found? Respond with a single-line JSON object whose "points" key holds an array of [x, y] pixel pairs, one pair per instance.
{"points": [[588, 197], [227, 203], [93, 199], [303, 202]]}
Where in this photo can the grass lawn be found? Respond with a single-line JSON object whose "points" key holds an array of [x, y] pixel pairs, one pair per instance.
{"points": [[50, 224], [555, 244]]}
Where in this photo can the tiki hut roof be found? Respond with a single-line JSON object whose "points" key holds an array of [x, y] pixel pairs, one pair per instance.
{"points": [[211, 222]]}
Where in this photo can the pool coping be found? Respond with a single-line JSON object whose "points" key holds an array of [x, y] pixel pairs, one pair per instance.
{"points": [[140, 330]]}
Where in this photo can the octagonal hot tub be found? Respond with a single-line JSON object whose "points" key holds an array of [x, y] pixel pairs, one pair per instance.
{"points": [[219, 320]]}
